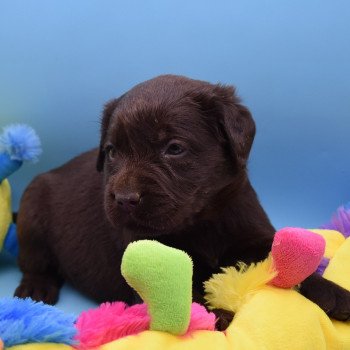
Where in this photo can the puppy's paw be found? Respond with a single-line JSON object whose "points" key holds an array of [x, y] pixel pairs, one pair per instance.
{"points": [[223, 318], [330, 297], [39, 289]]}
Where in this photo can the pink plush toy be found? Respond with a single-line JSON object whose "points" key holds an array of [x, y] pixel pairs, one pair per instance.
{"points": [[296, 254], [112, 321]]}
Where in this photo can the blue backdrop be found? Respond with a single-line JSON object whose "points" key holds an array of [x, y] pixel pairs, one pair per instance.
{"points": [[61, 60]]}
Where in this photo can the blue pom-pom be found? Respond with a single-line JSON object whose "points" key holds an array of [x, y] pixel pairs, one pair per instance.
{"points": [[25, 321], [20, 142]]}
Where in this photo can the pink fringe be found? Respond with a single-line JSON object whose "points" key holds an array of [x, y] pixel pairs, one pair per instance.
{"points": [[109, 322], [201, 319], [112, 321]]}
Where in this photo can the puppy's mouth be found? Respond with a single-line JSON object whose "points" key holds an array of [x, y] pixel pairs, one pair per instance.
{"points": [[143, 222], [143, 228], [148, 229]]}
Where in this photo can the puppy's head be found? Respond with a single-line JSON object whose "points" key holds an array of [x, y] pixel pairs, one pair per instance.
{"points": [[168, 147]]}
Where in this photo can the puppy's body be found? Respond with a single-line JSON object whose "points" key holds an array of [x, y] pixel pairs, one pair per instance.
{"points": [[172, 162]]}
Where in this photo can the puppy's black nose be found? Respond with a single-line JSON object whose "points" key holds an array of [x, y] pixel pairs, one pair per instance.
{"points": [[127, 201]]}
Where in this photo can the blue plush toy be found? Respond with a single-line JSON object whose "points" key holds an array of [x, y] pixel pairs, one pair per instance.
{"points": [[24, 321], [18, 143]]}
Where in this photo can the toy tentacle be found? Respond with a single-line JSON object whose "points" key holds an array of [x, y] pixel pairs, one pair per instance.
{"points": [[8, 166], [11, 242], [162, 276]]}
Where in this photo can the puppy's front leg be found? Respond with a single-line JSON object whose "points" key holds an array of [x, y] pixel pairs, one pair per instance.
{"points": [[330, 297], [40, 280]]}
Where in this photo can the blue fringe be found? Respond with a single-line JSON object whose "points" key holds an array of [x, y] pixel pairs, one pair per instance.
{"points": [[25, 321]]}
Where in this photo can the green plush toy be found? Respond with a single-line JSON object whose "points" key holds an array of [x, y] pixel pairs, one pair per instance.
{"points": [[148, 267]]}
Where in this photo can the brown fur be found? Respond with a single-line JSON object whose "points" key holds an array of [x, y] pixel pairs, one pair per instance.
{"points": [[74, 222]]}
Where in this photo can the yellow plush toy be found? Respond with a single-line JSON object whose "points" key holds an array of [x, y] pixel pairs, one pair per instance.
{"points": [[266, 316], [273, 318]]}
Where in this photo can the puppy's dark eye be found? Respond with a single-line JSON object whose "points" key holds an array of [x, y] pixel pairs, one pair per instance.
{"points": [[110, 151], [174, 149]]}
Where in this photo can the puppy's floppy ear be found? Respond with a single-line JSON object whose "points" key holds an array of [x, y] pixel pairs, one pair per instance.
{"points": [[236, 123], [106, 117]]}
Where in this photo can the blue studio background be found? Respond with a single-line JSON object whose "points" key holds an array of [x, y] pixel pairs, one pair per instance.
{"points": [[61, 61]]}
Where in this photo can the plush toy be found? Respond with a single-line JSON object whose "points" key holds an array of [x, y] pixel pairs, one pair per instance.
{"points": [[162, 276], [269, 312], [147, 266], [337, 230], [266, 316], [296, 254], [18, 143], [25, 321]]}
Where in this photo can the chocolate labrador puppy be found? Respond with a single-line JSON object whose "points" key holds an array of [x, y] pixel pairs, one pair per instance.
{"points": [[171, 166]]}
